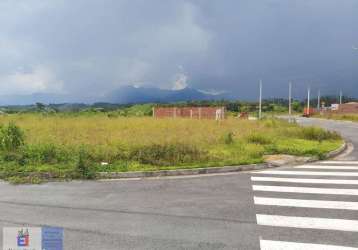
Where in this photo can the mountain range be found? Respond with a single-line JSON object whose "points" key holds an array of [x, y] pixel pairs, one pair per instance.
{"points": [[123, 95], [130, 94]]}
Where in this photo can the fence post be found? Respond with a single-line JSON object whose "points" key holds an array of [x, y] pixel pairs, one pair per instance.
{"points": [[153, 112], [191, 114], [175, 112]]}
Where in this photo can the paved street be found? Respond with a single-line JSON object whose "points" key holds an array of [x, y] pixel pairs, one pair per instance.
{"points": [[347, 129], [307, 207]]}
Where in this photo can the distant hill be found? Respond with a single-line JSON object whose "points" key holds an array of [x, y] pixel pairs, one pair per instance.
{"points": [[130, 94], [124, 95], [36, 97]]}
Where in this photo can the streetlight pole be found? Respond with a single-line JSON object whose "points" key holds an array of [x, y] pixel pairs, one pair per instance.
{"points": [[319, 100], [308, 100], [290, 101], [340, 97], [260, 102]]}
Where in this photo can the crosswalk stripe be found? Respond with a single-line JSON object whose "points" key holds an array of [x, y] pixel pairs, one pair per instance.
{"points": [[307, 222], [308, 173], [300, 180], [284, 245], [340, 162], [344, 205], [327, 167], [305, 190]]}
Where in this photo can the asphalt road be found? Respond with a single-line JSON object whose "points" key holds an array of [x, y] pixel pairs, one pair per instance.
{"points": [[349, 130], [295, 208]]}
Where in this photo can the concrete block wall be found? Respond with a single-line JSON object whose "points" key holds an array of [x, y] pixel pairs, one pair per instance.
{"points": [[348, 108], [188, 112]]}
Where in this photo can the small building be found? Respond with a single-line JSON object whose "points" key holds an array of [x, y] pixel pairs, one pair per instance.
{"points": [[348, 108], [214, 113]]}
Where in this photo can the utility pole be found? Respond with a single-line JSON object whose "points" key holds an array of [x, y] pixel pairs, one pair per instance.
{"points": [[340, 97], [319, 100], [290, 101], [308, 100], [260, 102]]}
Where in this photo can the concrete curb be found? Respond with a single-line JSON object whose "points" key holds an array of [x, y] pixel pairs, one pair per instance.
{"points": [[338, 151], [294, 161], [182, 172], [212, 170]]}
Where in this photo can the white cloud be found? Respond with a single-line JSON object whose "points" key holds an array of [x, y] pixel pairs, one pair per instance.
{"points": [[213, 91], [40, 79], [220, 45], [180, 81]]}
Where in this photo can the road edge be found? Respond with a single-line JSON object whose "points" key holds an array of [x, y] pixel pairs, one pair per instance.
{"points": [[338, 151], [183, 172], [212, 170]]}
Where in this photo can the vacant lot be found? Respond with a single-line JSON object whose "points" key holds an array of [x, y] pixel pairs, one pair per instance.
{"points": [[73, 146]]}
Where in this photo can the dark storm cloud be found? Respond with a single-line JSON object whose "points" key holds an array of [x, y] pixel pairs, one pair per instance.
{"points": [[92, 47]]}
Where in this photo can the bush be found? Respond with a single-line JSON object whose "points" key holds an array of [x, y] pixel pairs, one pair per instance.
{"points": [[47, 153], [17, 180], [12, 137], [318, 134], [260, 139], [229, 138], [12, 156], [112, 115], [85, 167], [172, 154], [270, 123]]}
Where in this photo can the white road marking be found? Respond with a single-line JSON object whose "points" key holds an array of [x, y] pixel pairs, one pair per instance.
{"points": [[308, 173], [340, 162], [307, 222], [284, 245], [299, 180], [305, 190], [327, 167], [345, 205]]}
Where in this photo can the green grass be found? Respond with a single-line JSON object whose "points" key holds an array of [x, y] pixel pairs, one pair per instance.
{"points": [[39, 148]]}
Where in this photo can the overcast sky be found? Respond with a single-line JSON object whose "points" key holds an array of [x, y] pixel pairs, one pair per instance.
{"points": [[90, 47]]}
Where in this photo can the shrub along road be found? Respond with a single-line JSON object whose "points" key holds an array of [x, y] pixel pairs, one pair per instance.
{"points": [[201, 212]]}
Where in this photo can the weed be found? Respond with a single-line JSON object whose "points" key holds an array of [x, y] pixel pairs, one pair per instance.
{"points": [[85, 167], [318, 134], [229, 138], [258, 138], [67, 146], [11, 137], [16, 180], [170, 154]]}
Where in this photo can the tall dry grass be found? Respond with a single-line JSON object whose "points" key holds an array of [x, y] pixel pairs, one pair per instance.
{"points": [[101, 130], [73, 146]]}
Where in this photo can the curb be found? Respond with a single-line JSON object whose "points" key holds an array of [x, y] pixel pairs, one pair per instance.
{"points": [[338, 151], [183, 172], [212, 170]]}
